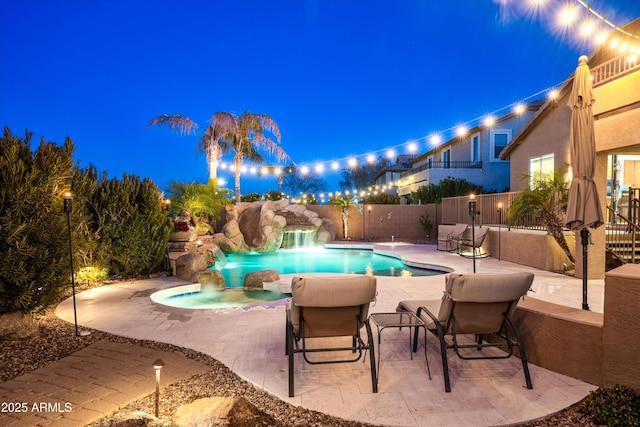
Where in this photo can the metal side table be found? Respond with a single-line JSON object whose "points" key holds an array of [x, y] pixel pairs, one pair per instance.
{"points": [[403, 319]]}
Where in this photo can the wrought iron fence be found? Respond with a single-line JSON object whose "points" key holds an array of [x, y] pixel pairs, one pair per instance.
{"points": [[493, 210]]}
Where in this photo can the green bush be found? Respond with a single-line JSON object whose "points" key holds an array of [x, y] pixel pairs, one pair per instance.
{"points": [[613, 406], [251, 197], [34, 266], [132, 225], [448, 187]]}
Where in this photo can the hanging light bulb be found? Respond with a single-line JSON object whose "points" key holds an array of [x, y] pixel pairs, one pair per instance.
{"points": [[352, 162], [435, 139], [335, 166], [489, 121]]}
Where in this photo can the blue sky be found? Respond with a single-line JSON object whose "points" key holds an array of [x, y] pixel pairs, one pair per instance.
{"points": [[340, 78]]}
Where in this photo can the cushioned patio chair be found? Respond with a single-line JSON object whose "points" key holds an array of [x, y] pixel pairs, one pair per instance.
{"points": [[325, 307], [474, 242], [448, 238], [478, 305]]}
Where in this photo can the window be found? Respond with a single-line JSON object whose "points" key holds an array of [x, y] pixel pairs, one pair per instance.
{"points": [[540, 166], [430, 162], [499, 139], [446, 159], [475, 148]]}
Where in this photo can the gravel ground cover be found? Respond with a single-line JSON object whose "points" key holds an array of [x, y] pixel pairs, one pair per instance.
{"points": [[57, 340]]}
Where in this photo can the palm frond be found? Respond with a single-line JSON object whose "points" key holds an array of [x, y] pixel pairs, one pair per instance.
{"points": [[176, 122]]}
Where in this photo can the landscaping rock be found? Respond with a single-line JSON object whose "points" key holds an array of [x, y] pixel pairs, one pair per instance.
{"points": [[134, 419], [17, 326], [221, 411], [187, 265], [254, 280], [210, 280]]}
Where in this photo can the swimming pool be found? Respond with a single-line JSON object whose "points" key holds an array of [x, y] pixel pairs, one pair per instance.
{"points": [[286, 261], [316, 260]]}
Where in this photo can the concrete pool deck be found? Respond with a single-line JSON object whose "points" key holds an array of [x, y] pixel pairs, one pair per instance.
{"points": [[250, 341]]}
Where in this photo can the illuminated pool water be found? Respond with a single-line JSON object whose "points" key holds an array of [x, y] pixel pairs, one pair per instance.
{"points": [[285, 261], [316, 260]]}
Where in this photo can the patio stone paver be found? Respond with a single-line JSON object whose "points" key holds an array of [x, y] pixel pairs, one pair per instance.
{"points": [[90, 384], [484, 392]]}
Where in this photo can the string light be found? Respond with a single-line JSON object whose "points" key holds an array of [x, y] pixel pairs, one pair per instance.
{"points": [[589, 28]]}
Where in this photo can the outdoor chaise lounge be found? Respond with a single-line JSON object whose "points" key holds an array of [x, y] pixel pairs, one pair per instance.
{"points": [[448, 236], [332, 306], [474, 242], [479, 305]]}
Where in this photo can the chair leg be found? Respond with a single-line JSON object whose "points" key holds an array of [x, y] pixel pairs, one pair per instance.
{"points": [[523, 354], [445, 362], [290, 352], [372, 356]]}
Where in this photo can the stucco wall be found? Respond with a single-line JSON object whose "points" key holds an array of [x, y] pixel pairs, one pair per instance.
{"points": [[621, 338], [562, 339], [551, 136], [381, 221], [533, 248]]}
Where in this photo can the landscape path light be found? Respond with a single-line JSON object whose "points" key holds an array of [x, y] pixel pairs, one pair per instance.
{"points": [[157, 365]]}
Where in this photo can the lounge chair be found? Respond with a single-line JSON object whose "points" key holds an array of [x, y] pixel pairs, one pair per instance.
{"points": [[474, 242], [449, 236], [330, 307], [475, 304]]}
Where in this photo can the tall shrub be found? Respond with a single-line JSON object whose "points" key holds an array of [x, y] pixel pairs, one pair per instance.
{"points": [[34, 265], [132, 224]]}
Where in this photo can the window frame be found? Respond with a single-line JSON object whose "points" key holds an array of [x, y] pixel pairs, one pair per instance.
{"points": [[492, 139]]}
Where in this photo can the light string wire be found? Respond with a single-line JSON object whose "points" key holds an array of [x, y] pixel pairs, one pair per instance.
{"points": [[411, 145]]}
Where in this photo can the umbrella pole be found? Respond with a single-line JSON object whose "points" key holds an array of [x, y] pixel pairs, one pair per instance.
{"points": [[585, 239]]}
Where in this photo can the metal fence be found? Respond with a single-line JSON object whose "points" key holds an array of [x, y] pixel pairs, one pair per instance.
{"points": [[493, 210]]}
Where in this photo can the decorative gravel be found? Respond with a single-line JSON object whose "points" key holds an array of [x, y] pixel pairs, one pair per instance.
{"points": [[57, 340]]}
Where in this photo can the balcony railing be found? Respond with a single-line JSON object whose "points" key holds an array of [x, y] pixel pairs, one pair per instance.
{"points": [[442, 165], [612, 69]]}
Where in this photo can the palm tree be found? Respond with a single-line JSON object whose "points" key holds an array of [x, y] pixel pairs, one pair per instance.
{"points": [[248, 138], [546, 196], [214, 141], [342, 204]]}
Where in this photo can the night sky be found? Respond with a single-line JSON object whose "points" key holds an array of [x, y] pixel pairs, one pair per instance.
{"points": [[341, 78]]}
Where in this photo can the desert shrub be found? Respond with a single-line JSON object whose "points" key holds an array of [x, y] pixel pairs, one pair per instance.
{"points": [[34, 266], [448, 187], [132, 224], [251, 197], [382, 199], [613, 406]]}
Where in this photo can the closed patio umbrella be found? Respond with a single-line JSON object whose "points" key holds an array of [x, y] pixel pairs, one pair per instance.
{"points": [[583, 208]]}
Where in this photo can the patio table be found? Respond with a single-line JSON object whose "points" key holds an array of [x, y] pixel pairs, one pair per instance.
{"points": [[404, 319]]}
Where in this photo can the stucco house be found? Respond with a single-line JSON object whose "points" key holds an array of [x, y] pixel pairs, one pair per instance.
{"points": [[543, 143], [474, 156], [388, 176]]}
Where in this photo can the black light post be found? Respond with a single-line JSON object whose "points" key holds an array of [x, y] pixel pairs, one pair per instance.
{"points": [[167, 207], [473, 211], [369, 223], [68, 208], [499, 227]]}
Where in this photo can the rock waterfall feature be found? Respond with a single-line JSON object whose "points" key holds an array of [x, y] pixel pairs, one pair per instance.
{"points": [[261, 226]]}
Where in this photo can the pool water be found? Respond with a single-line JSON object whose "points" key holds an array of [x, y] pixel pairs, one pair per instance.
{"points": [[316, 260]]}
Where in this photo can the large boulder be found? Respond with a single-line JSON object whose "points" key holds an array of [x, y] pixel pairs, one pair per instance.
{"points": [[189, 264], [17, 326], [221, 411], [254, 280], [210, 280]]}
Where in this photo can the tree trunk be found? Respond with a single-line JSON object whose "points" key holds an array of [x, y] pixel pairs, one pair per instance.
{"points": [[213, 164], [554, 227], [345, 224]]}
